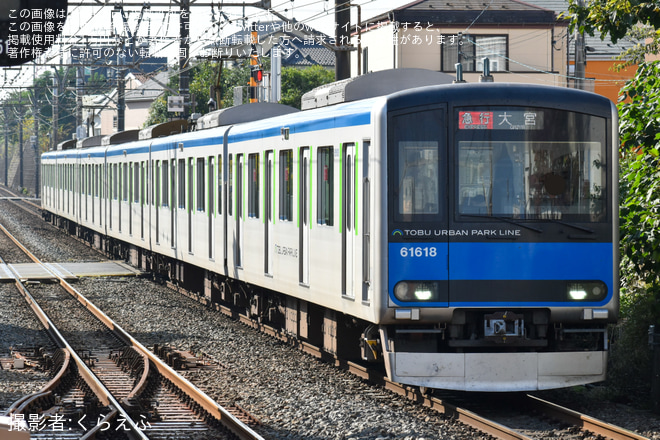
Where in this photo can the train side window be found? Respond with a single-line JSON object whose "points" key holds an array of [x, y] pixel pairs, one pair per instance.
{"points": [[182, 184], [173, 183], [136, 182], [191, 184], [286, 185], [211, 184], [125, 183], [253, 187], [201, 179], [143, 182], [325, 179], [164, 197], [115, 181]]}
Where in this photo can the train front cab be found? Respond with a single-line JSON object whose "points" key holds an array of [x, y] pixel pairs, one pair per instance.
{"points": [[501, 239]]}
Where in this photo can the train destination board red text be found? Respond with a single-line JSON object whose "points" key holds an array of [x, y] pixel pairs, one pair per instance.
{"points": [[501, 120]]}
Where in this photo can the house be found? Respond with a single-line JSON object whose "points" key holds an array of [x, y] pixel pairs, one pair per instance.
{"points": [[100, 111], [298, 45], [523, 42]]}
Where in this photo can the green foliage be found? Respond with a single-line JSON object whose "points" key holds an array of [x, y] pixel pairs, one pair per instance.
{"points": [[158, 109], [639, 188], [296, 82], [639, 221], [612, 17], [619, 18], [233, 77]]}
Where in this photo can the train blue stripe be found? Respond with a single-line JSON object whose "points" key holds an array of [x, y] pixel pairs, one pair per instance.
{"points": [[460, 261], [520, 261]]}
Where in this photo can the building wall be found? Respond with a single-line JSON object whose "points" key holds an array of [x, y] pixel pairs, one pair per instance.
{"points": [[608, 81], [532, 56], [137, 113], [380, 49], [107, 119]]}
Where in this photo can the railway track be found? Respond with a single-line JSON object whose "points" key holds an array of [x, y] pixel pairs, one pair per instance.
{"points": [[106, 381], [495, 425], [480, 418]]}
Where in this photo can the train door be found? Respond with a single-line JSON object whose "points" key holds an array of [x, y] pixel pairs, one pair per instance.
{"points": [[121, 195], [173, 202], [94, 189], [211, 204], [366, 222], [157, 197], [143, 193], [191, 201], [239, 210], [305, 210], [268, 214], [348, 218]]}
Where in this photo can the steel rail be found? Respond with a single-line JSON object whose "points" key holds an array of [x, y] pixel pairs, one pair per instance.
{"points": [[586, 423], [105, 397], [240, 429], [463, 415]]}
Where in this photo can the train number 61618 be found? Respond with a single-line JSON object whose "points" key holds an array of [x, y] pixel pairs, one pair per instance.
{"points": [[418, 251]]}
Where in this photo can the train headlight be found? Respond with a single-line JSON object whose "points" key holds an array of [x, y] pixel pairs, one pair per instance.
{"points": [[416, 291], [586, 291]]}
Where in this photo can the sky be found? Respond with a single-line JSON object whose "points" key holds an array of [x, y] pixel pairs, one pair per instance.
{"points": [[163, 23]]}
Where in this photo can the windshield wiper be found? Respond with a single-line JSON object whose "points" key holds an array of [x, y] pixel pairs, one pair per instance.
{"points": [[504, 219], [572, 225]]}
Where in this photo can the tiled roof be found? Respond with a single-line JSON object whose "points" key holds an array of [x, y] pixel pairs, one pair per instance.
{"points": [[150, 90], [471, 11], [296, 49], [597, 47]]}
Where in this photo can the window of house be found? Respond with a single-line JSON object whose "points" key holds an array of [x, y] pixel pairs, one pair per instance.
{"points": [[472, 49]]}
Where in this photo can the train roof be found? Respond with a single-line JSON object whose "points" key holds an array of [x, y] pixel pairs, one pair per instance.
{"points": [[283, 119], [381, 83]]}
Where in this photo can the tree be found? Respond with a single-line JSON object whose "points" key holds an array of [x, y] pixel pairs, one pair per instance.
{"points": [[297, 82], [639, 188], [618, 18]]}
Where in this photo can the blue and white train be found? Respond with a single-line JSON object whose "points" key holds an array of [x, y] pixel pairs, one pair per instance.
{"points": [[464, 235]]}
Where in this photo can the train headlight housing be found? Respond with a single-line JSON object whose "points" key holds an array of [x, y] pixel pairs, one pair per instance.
{"points": [[586, 291], [416, 291]]}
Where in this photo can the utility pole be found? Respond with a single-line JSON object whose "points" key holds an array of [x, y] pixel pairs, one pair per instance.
{"points": [[184, 55], [580, 57], [121, 102], [20, 148], [6, 147], [79, 101], [35, 113], [343, 39], [56, 109]]}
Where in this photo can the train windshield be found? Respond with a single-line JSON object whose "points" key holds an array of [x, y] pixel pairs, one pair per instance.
{"points": [[418, 158], [553, 169]]}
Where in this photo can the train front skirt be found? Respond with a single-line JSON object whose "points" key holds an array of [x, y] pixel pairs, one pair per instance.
{"points": [[494, 371]]}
